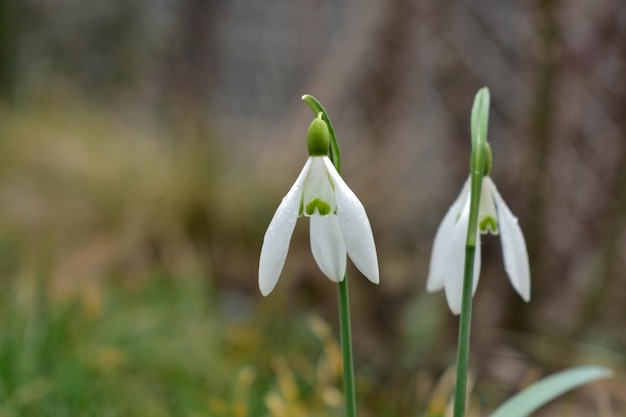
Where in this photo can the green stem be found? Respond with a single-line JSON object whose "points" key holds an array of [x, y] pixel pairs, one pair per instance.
{"points": [[479, 167], [462, 359], [346, 348], [342, 287]]}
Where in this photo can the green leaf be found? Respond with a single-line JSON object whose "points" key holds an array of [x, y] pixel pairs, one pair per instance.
{"points": [[544, 391]]}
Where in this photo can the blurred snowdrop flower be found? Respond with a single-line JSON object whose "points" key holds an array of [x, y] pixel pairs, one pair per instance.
{"points": [[338, 222], [447, 258]]}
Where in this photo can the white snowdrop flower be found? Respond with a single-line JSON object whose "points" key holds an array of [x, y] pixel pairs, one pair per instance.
{"points": [[448, 255], [338, 222]]}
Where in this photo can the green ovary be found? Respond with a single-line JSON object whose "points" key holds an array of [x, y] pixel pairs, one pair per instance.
{"points": [[323, 208], [318, 137]]}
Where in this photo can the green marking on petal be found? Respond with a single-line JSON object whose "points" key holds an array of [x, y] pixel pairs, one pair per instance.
{"points": [[488, 224], [330, 181], [323, 208]]}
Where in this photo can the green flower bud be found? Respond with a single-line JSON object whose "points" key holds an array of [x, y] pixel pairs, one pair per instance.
{"points": [[318, 137]]}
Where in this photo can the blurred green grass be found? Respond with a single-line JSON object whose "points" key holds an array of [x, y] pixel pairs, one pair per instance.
{"points": [[146, 353], [164, 350], [170, 348]]}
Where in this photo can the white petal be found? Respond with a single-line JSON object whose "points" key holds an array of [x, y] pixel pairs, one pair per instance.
{"points": [[318, 189], [355, 227], [440, 253], [513, 248], [327, 246], [454, 266], [487, 215], [278, 235], [477, 264]]}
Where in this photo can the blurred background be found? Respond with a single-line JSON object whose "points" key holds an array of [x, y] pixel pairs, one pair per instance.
{"points": [[145, 145]]}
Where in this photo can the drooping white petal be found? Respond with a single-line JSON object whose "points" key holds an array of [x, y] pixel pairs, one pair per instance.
{"points": [[278, 235], [513, 248], [440, 253], [454, 266], [355, 227], [328, 247]]}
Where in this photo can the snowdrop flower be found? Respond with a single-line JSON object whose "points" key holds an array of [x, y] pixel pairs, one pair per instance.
{"points": [[338, 222], [447, 258]]}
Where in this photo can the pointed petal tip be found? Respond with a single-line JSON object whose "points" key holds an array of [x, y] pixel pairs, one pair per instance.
{"points": [[270, 269], [454, 302], [456, 310], [370, 271], [334, 278], [434, 285], [453, 293], [375, 279], [265, 287]]}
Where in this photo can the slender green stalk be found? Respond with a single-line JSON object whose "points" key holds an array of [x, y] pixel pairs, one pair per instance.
{"points": [[479, 165], [342, 287], [462, 358], [346, 348]]}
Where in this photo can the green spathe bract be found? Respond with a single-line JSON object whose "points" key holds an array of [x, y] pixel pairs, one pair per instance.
{"points": [[318, 138]]}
